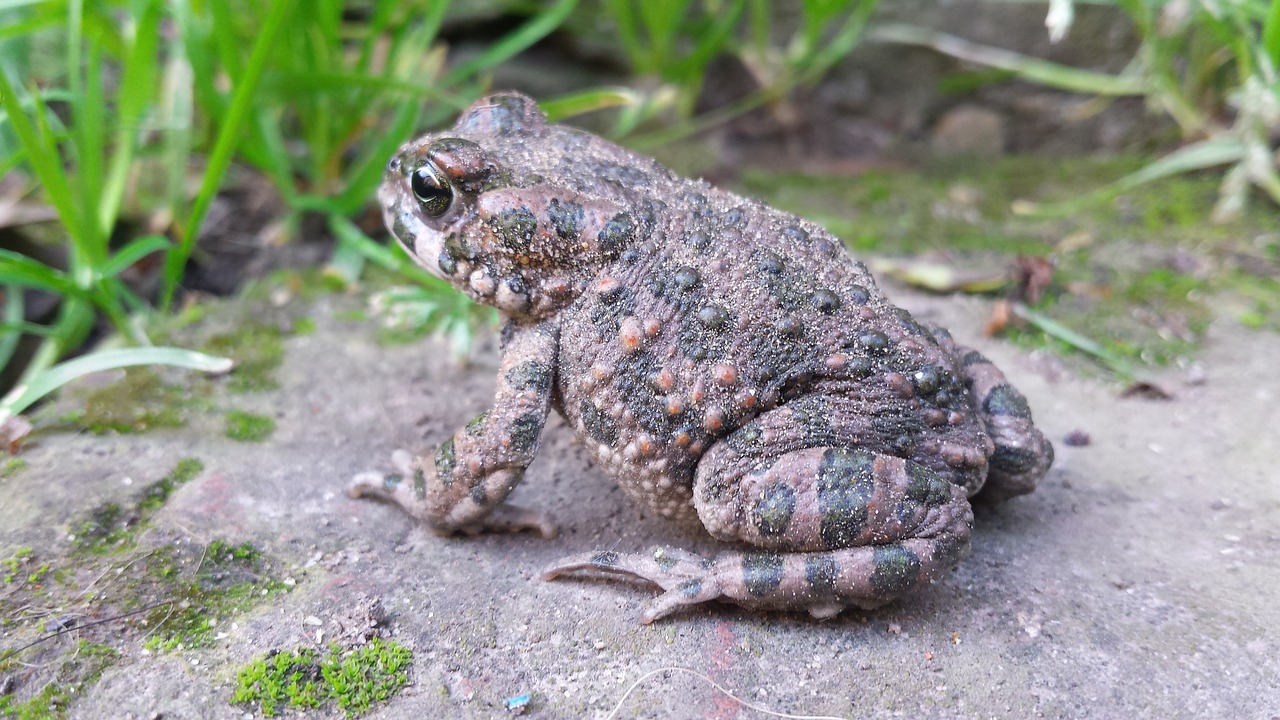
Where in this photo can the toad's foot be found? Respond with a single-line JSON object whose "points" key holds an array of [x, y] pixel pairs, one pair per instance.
{"points": [[406, 486], [824, 583]]}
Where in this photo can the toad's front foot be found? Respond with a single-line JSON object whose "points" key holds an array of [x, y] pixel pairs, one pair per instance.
{"points": [[408, 487], [823, 583]]}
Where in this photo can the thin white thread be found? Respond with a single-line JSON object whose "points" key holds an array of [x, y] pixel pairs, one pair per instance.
{"points": [[760, 709]]}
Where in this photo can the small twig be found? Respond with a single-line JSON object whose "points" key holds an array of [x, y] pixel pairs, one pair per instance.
{"points": [[786, 716], [10, 653]]}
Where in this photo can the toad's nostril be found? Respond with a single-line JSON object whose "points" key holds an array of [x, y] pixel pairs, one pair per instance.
{"points": [[393, 164]]}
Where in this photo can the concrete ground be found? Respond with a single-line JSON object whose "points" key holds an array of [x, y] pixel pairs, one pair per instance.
{"points": [[1141, 580]]}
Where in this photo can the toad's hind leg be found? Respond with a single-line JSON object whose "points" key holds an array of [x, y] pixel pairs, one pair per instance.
{"points": [[836, 527], [1022, 453]]}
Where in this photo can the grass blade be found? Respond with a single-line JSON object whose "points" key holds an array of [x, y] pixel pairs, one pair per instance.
{"points": [[18, 269], [14, 317], [131, 253], [23, 395], [580, 103], [1034, 69], [538, 27], [228, 137], [1197, 156]]}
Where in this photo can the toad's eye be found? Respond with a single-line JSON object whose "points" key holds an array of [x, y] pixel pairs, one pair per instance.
{"points": [[432, 190]]}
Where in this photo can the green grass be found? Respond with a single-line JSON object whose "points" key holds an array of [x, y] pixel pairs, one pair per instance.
{"points": [[306, 679]]}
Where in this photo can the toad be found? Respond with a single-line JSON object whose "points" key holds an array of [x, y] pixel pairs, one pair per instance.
{"points": [[719, 358]]}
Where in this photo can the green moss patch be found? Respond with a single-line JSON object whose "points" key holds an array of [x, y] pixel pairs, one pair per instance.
{"points": [[257, 350], [202, 591], [112, 526], [12, 466], [306, 679], [80, 667], [173, 596], [248, 427], [141, 401]]}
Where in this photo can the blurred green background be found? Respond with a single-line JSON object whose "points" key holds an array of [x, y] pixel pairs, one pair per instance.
{"points": [[1109, 169]]}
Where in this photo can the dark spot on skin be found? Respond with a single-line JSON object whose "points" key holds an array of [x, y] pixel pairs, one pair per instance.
{"points": [[896, 570], [697, 240], [691, 588], [735, 217], [419, 484], [616, 235], [664, 561], [876, 342], [600, 427], [820, 572], [515, 227], [445, 461], [525, 431], [474, 427], [845, 486], [687, 278], [826, 301], [761, 572], [927, 379], [789, 327], [745, 439], [860, 367], [795, 234], [391, 481], [771, 263], [608, 313], [530, 375], [903, 445], [1013, 460], [825, 247], [772, 511], [973, 357], [515, 284], [446, 263], [565, 217], [606, 558], [478, 495], [458, 248], [712, 317], [1005, 400], [926, 486], [857, 294], [633, 378]]}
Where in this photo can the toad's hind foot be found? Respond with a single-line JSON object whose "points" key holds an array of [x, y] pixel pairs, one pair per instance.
{"points": [[824, 583]]}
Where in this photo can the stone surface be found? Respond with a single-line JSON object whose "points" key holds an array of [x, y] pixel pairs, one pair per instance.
{"points": [[1141, 579]]}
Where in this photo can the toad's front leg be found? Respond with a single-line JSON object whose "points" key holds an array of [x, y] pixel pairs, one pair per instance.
{"points": [[461, 488]]}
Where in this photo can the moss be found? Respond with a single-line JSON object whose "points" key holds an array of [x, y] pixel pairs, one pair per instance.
{"points": [[11, 565], [80, 668], [304, 326], [257, 350], [248, 427], [139, 402], [157, 493], [304, 679], [12, 466], [227, 580], [111, 526]]}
